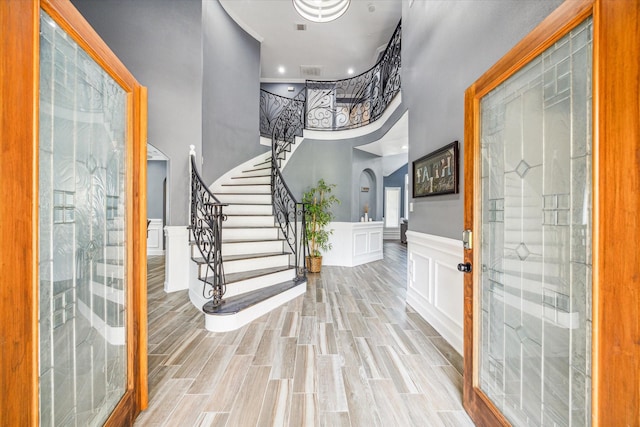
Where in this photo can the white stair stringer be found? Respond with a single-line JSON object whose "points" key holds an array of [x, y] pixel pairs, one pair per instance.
{"points": [[231, 322]]}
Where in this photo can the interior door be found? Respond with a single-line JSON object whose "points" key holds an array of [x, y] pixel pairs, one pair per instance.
{"points": [[529, 199]]}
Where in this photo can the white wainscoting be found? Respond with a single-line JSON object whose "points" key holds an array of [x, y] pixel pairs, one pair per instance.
{"points": [[154, 237], [354, 243], [434, 284]]}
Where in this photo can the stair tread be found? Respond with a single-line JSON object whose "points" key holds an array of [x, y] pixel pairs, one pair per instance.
{"points": [[234, 305], [242, 257], [219, 195], [246, 185], [251, 274], [254, 176], [251, 240], [251, 227], [248, 204], [252, 256], [257, 169], [248, 214]]}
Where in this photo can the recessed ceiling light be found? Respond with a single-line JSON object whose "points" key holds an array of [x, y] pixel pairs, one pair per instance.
{"points": [[350, 71], [281, 69], [404, 147]]}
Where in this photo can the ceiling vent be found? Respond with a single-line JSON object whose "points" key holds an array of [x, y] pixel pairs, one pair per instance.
{"points": [[310, 71], [301, 27]]}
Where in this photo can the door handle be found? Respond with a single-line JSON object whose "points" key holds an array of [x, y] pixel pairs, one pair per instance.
{"points": [[464, 267]]}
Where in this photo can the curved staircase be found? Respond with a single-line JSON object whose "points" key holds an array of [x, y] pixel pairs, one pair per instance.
{"points": [[258, 263]]}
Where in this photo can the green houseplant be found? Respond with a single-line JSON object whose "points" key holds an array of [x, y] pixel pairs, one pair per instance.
{"points": [[318, 201]]}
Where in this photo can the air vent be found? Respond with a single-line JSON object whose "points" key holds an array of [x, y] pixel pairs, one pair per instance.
{"points": [[301, 27], [310, 71]]}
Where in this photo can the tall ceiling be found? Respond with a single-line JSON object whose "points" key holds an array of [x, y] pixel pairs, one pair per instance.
{"points": [[352, 41]]}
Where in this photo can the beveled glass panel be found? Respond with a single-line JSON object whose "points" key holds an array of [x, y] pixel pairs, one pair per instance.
{"points": [[82, 266], [535, 280]]}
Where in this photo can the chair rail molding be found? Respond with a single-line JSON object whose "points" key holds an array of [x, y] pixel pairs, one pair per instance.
{"points": [[434, 285]]}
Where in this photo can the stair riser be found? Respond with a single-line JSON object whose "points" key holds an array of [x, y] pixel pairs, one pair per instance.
{"points": [[249, 285], [256, 172], [239, 266], [244, 198], [245, 189], [248, 210], [249, 233], [251, 180], [246, 248], [248, 221]]}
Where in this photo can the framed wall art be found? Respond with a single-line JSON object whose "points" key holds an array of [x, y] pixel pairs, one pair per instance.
{"points": [[437, 172]]}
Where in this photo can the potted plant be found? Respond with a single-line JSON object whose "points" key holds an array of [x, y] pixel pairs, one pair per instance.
{"points": [[318, 202]]}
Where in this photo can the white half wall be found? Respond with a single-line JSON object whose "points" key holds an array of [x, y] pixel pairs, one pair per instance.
{"points": [[154, 237], [177, 260], [354, 243], [434, 284]]}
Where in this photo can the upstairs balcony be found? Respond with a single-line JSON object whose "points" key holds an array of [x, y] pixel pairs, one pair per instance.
{"points": [[338, 104]]}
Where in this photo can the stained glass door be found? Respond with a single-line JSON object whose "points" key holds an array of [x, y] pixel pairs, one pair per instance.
{"points": [[92, 356], [531, 269]]}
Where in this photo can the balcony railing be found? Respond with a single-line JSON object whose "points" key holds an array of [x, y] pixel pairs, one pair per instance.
{"points": [[339, 104]]}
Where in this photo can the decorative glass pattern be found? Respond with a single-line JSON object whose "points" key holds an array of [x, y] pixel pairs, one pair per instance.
{"points": [[535, 318], [82, 234]]}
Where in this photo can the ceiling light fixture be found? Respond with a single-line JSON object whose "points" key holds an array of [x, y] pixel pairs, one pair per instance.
{"points": [[281, 69], [321, 10], [350, 71]]}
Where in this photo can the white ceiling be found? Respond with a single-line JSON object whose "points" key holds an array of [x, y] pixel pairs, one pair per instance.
{"points": [[351, 41]]}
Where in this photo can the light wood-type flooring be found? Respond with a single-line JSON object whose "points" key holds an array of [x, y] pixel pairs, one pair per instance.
{"points": [[350, 352]]}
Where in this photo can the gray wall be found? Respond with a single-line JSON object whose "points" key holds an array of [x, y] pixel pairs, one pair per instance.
{"points": [[156, 174], [446, 46], [159, 41], [337, 162], [396, 179], [231, 93]]}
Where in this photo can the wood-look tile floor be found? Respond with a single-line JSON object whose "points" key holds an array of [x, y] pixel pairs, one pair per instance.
{"points": [[350, 352]]}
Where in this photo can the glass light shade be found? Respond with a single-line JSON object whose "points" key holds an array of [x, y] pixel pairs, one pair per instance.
{"points": [[321, 10]]}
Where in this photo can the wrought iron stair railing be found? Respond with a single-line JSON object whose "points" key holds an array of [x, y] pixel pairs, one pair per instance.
{"points": [[289, 214], [205, 228], [338, 104]]}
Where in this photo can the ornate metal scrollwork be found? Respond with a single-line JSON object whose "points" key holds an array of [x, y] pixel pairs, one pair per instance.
{"points": [[206, 234], [273, 106], [357, 101]]}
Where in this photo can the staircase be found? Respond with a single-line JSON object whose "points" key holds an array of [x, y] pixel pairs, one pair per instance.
{"points": [[258, 263]]}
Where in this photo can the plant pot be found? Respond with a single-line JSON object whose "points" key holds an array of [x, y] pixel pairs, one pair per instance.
{"points": [[314, 264]]}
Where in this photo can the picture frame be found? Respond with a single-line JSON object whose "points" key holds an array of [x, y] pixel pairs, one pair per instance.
{"points": [[437, 172]]}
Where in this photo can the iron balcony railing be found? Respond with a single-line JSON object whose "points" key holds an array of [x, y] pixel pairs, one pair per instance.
{"points": [[339, 104], [205, 228]]}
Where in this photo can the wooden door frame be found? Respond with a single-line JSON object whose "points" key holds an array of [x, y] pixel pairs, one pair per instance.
{"points": [[19, 121], [616, 205]]}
